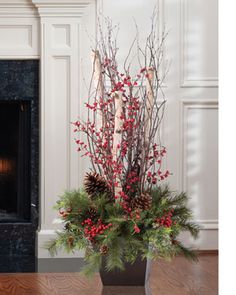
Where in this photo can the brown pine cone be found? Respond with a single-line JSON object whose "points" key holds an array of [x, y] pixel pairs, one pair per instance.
{"points": [[175, 242], [142, 202], [67, 226], [104, 249], [91, 212], [70, 241], [95, 184]]}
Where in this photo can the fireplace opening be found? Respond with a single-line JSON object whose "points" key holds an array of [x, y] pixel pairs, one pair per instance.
{"points": [[15, 161], [19, 164]]}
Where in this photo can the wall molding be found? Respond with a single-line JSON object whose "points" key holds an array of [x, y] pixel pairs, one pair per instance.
{"points": [[68, 138], [208, 224], [61, 8], [17, 9], [45, 235], [186, 82], [19, 38], [185, 105], [11, 27]]}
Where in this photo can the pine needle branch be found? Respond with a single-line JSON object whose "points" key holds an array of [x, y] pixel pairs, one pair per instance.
{"points": [[190, 254]]}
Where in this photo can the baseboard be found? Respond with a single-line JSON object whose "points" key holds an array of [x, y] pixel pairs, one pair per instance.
{"points": [[206, 244], [208, 252], [44, 236], [59, 265], [207, 240]]}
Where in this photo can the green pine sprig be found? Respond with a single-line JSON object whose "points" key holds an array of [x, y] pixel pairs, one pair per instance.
{"points": [[154, 241]]}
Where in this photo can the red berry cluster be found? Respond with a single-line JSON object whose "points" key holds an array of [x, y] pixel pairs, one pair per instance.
{"points": [[166, 220], [132, 179], [92, 229], [124, 202], [136, 229]]}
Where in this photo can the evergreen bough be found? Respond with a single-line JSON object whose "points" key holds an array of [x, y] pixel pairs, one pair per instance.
{"points": [[152, 233]]}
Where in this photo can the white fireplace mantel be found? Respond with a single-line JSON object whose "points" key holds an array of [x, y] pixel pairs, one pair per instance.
{"points": [[56, 32], [61, 8]]}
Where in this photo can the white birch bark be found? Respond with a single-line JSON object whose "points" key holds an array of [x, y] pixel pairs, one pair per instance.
{"points": [[148, 114], [117, 131], [149, 103], [98, 84]]}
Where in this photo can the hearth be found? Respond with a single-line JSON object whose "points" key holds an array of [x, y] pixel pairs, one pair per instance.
{"points": [[19, 157]]}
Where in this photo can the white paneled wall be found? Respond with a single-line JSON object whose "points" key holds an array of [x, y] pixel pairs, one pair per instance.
{"points": [[192, 114], [59, 32], [190, 132]]}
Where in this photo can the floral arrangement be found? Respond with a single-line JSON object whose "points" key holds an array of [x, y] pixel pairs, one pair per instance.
{"points": [[123, 211]]}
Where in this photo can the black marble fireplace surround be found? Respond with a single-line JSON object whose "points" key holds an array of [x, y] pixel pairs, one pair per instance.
{"points": [[19, 164]]}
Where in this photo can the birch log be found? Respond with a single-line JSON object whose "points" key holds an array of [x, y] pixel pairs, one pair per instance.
{"points": [[149, 103], [117, 131], [148, 117], [98, 84]]}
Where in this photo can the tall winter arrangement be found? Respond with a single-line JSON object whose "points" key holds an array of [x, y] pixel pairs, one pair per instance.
{"points": [[123, 213], [124, 117]]}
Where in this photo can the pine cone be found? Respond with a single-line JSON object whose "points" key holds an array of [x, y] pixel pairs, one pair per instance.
{"points": [[95, 184], [143, 202], [91, 212], [175, 242], [104, 249], [67, 226], [70, 241]]}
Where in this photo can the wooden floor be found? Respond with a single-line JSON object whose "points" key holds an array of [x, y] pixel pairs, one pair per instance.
{"points": [[179, 277]]}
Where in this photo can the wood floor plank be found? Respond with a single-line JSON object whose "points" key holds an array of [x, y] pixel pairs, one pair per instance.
{"points": [[182, 277], [179, 277]]}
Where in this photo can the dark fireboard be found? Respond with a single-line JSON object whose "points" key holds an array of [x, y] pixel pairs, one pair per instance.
{"points": [[19, 164]]}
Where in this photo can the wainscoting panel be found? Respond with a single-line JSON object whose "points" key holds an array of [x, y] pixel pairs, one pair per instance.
{"points": [[57, 141], [200, 157], [19, 38], [199, 41]]}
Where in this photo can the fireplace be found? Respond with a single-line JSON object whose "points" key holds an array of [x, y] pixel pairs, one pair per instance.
{"points": [[15, 161], [19, 156]]}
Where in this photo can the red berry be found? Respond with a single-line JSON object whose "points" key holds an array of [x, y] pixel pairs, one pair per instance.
{"points": [[136, 229]]}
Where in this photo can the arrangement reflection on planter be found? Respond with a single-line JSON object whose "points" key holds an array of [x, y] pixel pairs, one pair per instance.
{"points": [[123, 215]]}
